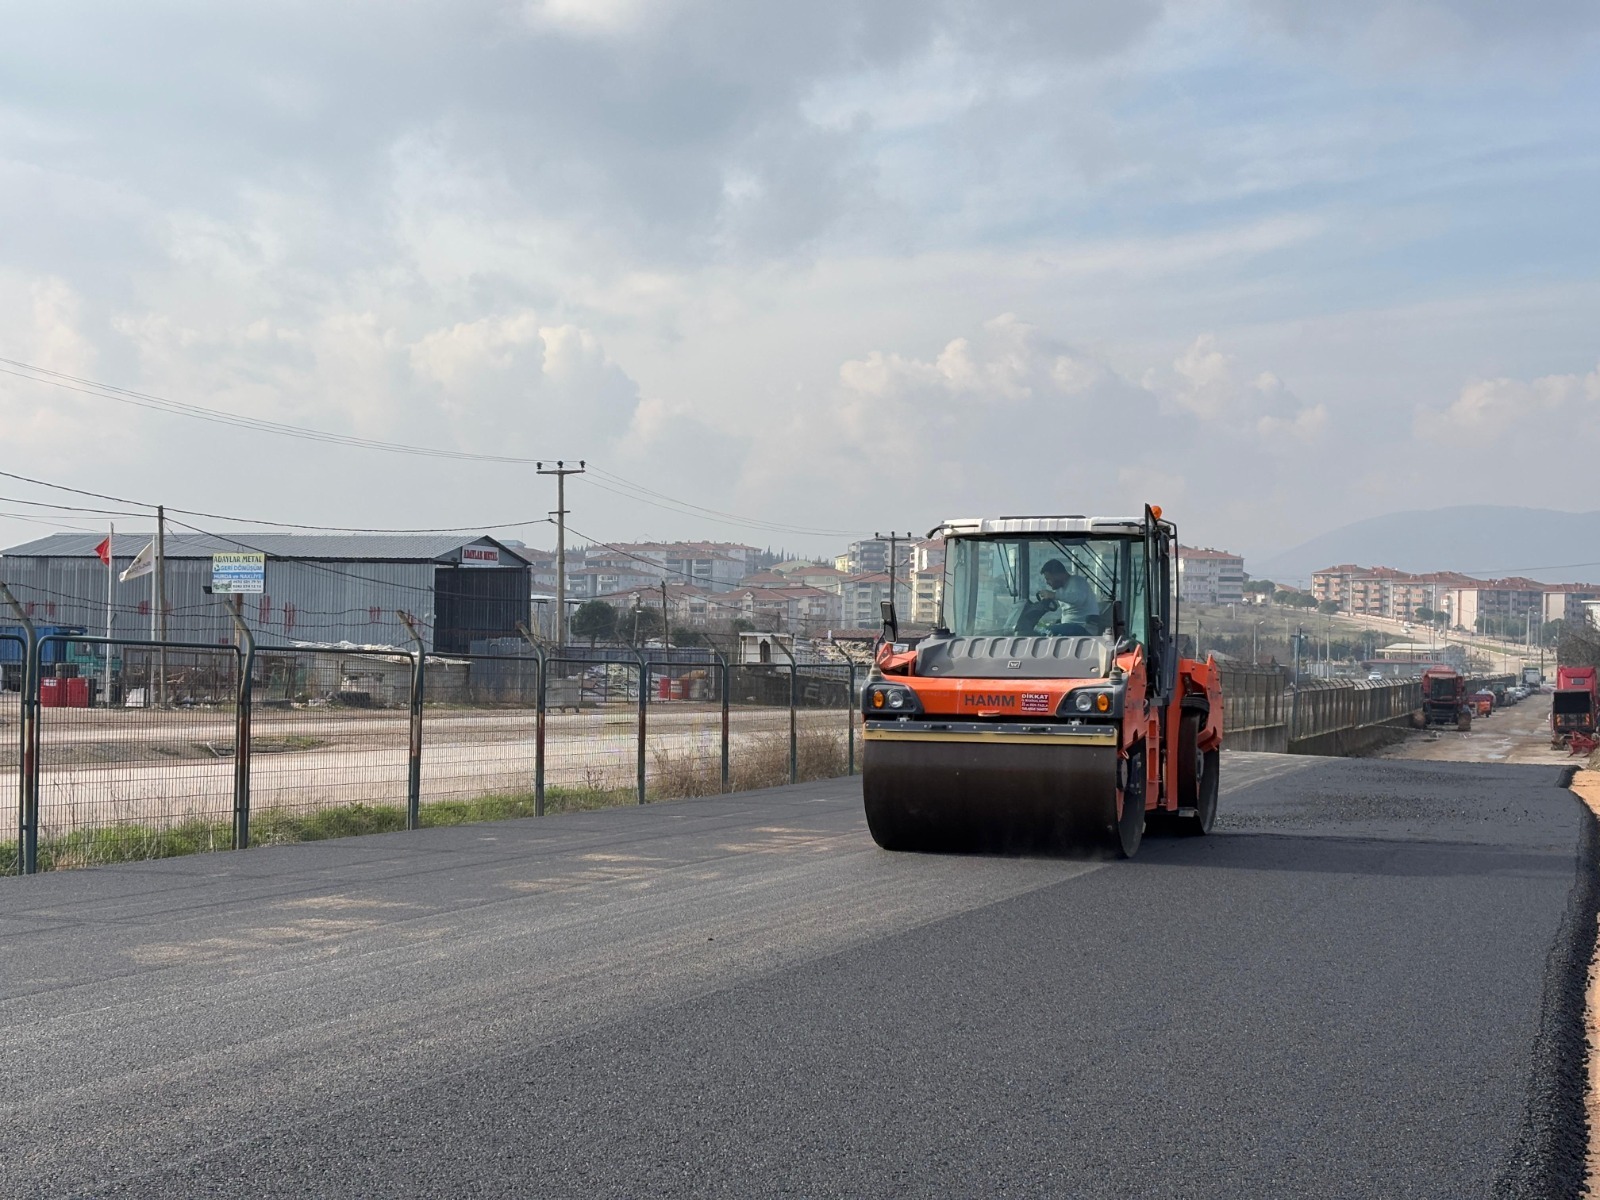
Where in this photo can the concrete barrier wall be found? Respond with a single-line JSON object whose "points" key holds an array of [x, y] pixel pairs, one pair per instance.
{"points": [[1263, 712]]}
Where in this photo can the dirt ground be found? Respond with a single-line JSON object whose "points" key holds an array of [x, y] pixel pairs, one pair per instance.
{"points": [[102, 767], [1518, 734]]}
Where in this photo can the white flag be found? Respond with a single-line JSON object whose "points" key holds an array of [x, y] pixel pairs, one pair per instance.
{"points": [[143, 563]]}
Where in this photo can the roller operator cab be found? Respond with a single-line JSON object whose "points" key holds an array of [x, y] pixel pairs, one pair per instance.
{"points": [[1050, 708]]}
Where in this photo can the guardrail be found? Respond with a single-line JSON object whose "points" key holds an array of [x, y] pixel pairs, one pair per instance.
{"points": [[1266, 711]]}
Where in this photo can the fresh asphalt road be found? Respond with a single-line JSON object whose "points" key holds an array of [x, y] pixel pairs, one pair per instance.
{"points": [[1359, 986]]}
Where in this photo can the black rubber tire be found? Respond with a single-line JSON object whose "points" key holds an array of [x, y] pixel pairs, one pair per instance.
{"points": [[1128, 830], [1199, 780], [1205, 817]]}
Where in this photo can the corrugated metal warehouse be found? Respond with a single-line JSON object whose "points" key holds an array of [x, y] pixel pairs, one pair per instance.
{"points": [[318, 588]]}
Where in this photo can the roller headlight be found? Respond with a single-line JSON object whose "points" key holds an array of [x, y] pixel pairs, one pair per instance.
{"points": [[1092, 702], [882, 699]]}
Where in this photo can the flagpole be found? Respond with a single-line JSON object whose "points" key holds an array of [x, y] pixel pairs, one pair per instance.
{"points": [[111, 598]]}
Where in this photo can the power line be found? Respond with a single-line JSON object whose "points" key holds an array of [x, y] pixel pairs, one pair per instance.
{"points": [[641, 494], [210, 516], [106, 391], [636, 492]]}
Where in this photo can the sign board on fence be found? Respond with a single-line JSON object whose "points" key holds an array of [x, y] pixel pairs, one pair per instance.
{"points": [[238, 574]]}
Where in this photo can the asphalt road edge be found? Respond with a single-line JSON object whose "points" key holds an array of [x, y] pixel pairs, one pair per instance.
{"points": [[1549, 1157]]}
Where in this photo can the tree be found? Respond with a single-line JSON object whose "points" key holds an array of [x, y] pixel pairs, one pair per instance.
{"points": [[1423, 614], [1328, 606], [688, 635], [742, 625], [636, 626], [594, 619], [1258, 587]]}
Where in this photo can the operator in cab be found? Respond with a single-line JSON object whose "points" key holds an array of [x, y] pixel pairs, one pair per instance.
{"points": [[1065, 607]]}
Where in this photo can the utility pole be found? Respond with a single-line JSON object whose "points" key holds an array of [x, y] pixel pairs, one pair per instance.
{"points": [[111, 605], [561, 471], [159, 616], [666, 625], [894, 539]]}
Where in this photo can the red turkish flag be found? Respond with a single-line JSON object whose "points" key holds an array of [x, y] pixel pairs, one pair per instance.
{"points": [[103, 551]]}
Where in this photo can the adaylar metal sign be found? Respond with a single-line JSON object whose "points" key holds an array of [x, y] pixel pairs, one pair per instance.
{"points": [[238, 574]]}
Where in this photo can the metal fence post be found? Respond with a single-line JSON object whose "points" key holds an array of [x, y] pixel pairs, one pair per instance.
{"points": [[538, 722], [414, 765], [850, 715], [538, 739], [28, 782], [726, 682], [794, 738], [241, 727], [644, 700]]}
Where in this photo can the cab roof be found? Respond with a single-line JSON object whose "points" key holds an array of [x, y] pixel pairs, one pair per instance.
{"points": [[986, 526]]}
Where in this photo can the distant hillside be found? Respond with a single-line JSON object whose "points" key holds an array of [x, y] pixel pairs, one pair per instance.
{"points": [[1487, 540]]}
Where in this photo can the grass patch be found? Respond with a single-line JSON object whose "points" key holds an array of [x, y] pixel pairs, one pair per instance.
{"points": [[274, 827], [762, 762]]}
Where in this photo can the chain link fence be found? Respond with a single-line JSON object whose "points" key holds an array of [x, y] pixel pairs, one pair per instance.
{"points": [[341, 740], [329, 730], [13, 659], [142, 772]]}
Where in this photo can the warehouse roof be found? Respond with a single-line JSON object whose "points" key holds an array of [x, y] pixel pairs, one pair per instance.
{"points": [[325, 547]]}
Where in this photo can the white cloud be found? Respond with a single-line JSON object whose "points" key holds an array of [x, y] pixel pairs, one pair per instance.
{"points": [[1008, 418], [1211, 385], [1490, 413], [607, 17], [753, 252]]}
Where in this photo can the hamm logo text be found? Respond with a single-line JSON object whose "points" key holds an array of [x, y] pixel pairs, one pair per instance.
{"points": [[988, 700]]}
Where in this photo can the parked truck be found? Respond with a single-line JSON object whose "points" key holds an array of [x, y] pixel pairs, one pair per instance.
{"points": [[1574, 705], [1444, 698], [51, 654], [1533, 678]]}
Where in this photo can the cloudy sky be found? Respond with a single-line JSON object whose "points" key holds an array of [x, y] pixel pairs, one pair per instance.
{"points": [[826, 267]]}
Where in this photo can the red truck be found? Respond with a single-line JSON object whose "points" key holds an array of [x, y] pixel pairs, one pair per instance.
{"points": [[1444, 698], [1574, 705]]}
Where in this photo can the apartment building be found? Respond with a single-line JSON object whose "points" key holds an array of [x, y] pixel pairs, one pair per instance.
{"points": [[863, 596], [1207, 576], [872, 555], [926, 585], [1399, 595], [718, 566]]}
